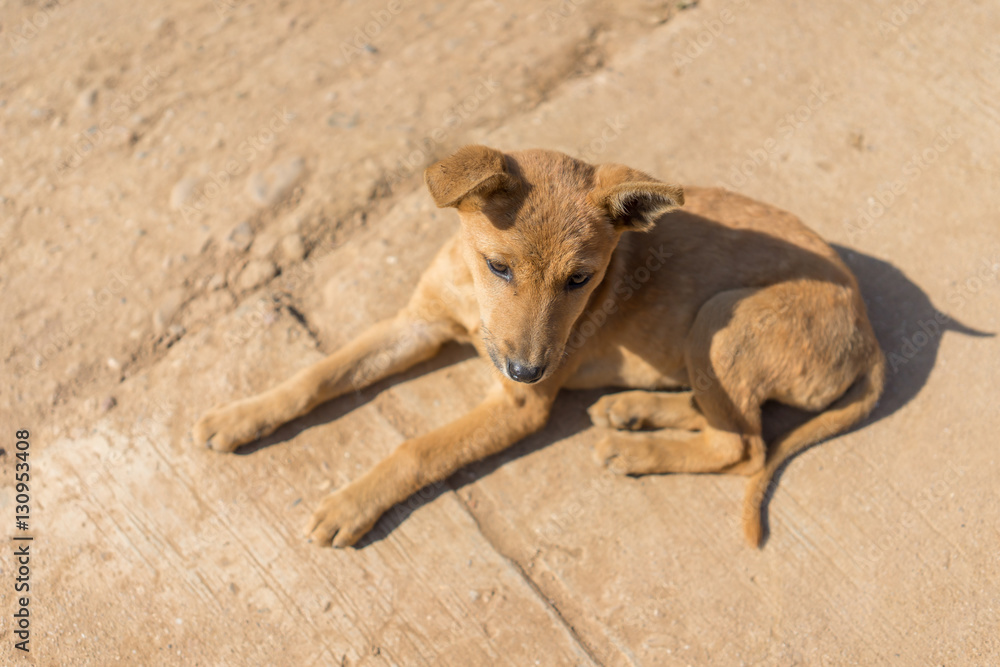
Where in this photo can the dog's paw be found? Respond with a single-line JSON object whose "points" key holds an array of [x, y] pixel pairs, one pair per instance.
{"points": [[226, 427], [625, 454], [342, 519], [615, 411]]}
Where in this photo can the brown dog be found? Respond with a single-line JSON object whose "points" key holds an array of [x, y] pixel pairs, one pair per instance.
{"points": [[732, 301]]}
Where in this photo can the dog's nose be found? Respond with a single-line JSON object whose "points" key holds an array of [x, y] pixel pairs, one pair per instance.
{"points": [[522, 373]]}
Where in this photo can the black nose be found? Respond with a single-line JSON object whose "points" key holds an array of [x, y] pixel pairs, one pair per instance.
{"points": [[521, 373]]}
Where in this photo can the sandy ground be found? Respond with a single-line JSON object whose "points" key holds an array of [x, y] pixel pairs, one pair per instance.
{"points": [[198, 199]]}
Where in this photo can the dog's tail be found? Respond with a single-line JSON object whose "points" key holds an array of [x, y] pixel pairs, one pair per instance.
{"points": [[850, 408]]}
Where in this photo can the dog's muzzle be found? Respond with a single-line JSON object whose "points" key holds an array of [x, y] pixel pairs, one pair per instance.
{"points": [[523, 373]]}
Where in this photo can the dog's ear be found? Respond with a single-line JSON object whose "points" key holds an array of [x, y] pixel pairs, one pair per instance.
{"points": [[634, 200], [466, 178]]}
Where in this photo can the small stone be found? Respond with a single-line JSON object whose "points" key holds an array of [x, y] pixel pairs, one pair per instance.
{"points": [[241, 236], [218, 281], [270, 186], [87, 99], [340, 119], [264, 244], [168, 308], [292, 248], [108, 403], [114, 364], [294, 222], [256, 273], [210, 305], [182, 193], [174, 334]]}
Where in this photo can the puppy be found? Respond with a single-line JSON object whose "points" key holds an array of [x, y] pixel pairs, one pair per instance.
{"points": [[571, 275]]}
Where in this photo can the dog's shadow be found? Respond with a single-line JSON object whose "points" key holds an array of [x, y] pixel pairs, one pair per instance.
{"points": [[908, 327], [568, 417]]}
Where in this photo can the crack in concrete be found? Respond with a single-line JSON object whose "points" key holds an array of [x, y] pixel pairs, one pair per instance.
{"points": [[301, 318], [393, 415], [544, 599]]}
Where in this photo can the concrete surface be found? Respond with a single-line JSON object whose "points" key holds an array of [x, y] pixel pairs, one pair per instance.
{"points": [[198, 199]]}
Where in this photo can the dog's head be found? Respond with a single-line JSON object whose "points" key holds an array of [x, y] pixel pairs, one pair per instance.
{"points": [[539, 229]]}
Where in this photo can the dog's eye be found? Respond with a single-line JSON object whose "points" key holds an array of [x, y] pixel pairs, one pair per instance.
{"points": [[578, 280], [499, 268]]}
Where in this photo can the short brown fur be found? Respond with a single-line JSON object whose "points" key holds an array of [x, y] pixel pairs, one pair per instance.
{"points": [[570, 275]]}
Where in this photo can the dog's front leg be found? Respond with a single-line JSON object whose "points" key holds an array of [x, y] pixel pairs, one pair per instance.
{"points": [[509, 414], [388, 347]]}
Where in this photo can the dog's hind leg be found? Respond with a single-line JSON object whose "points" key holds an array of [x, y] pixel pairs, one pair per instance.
{"points": [[647, 410], [669, 450], [720, 366]]}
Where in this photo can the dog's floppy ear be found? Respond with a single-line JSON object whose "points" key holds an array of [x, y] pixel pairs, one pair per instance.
{"points": [[471, 174], [633, 199]]}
